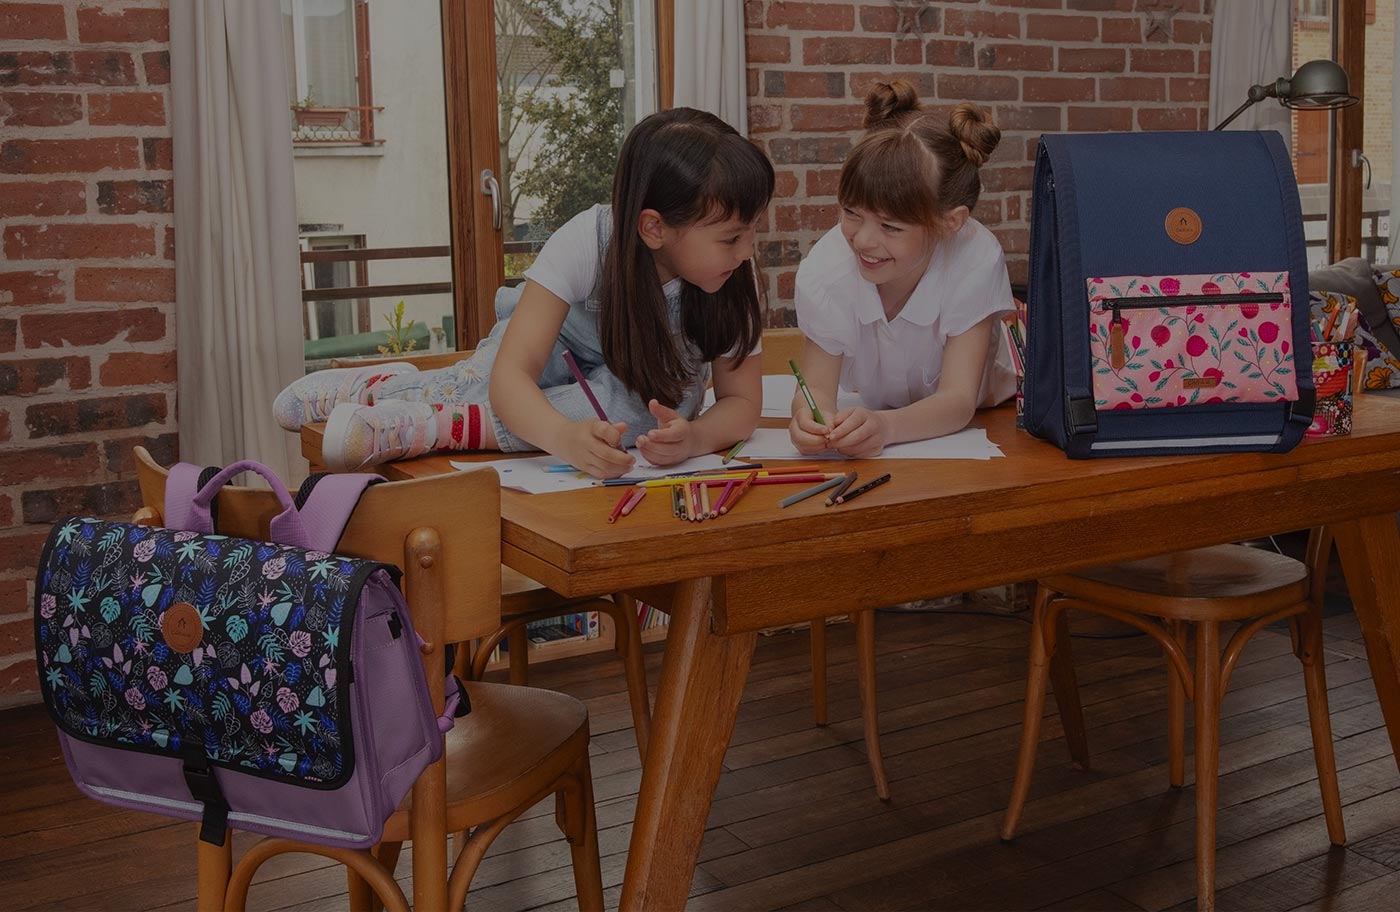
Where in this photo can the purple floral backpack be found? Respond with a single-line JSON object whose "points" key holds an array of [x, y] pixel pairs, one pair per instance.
{"points": [[273, 687]]}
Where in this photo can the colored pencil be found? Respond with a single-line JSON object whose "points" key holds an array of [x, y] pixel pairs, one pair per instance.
{"points": [[808, 492], [637, 495], [1331, 321], [791, 479], [587, 390], [841, 488], [705, 511], [852, 495], [622, 502], [729, 486], [695, 501], [739, 492], [805, 468], [806, 393], [734, 452], [689, 503], [560, 468], [676, 502]]}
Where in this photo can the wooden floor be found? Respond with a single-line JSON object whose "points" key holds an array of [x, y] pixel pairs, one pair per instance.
{"points": [[796, 825]]}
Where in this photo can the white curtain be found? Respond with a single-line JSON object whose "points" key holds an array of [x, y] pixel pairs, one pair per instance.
{"points": [[1251, 44], [710, 59], [238, 286], [1392, 256]]}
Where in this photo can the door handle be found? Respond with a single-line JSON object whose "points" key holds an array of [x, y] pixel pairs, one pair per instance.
{"points": [[1357, 160], [492, 188]]}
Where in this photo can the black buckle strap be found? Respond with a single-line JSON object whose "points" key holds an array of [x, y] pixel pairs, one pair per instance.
{"points": [[199, 779], [1082, 417], [464, 702]]}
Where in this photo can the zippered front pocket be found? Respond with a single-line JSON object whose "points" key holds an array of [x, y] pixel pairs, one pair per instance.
{"points": [[1163, 341]]}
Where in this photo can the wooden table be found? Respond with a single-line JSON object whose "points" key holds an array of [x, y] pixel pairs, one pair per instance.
{"points": [[939, 527]]}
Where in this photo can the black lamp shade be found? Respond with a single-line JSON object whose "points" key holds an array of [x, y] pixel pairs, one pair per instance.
{"points": [[1317, 84]]}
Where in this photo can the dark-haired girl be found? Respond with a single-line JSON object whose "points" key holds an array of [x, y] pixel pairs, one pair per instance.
{"points": [[648, 294]]}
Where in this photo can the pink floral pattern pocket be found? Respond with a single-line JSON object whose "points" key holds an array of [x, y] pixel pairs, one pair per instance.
{"points": [[1162, 341]]}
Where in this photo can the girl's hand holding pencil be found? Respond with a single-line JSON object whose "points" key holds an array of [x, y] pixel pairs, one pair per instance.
{"points": [[593, 447], [808, 436], [859, 433]]}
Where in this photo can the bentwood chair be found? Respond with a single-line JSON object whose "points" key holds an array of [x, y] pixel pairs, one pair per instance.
{"points": [[1163, 596], [516, 747]]}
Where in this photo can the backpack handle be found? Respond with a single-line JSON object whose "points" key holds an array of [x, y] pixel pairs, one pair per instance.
{"points": [[286, 527]]}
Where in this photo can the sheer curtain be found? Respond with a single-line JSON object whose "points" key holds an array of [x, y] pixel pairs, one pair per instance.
{"points": [[238, 286], [710, 59], [1250, 44]]}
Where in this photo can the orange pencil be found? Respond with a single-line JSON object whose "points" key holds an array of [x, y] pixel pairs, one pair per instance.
{"points": [[803, 469], [739, 492]]}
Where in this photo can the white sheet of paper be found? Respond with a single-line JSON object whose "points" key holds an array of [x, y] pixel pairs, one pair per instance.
{"points": [[529, 473], [969, 443], [778, 390]]}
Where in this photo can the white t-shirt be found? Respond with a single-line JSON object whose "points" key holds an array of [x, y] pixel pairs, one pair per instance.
{"points": [[569, 265], [892, 363]]}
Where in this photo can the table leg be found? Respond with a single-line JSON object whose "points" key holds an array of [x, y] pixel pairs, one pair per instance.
{"points": [[1370, 553], [702, 679]]}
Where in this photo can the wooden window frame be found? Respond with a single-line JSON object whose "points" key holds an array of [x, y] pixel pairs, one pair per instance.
{"points": [[1345, 197]]}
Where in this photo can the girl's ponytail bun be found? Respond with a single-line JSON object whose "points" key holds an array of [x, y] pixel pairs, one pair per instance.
{"points": [[887, 101], [974, 131]]}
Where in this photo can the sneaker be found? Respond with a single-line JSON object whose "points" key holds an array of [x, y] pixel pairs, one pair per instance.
{"points": [[358, 436], [311, 398]]}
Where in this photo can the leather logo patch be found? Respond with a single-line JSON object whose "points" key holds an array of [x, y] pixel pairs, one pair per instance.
{"points": [[1192, 383], [182, 627], [1183, 225]]}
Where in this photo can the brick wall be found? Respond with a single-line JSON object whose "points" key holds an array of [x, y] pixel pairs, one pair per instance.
{"points": [[87, 279], [1038, 65]]}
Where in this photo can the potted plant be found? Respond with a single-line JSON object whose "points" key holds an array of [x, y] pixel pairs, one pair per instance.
{"points": [[309, 114]]}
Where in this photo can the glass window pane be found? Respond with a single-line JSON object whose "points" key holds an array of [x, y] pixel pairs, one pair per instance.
{"points": [[330, 52], [1312, 134]]}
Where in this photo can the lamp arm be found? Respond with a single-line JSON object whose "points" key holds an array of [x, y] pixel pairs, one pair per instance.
{"points": [[1238, 111]]}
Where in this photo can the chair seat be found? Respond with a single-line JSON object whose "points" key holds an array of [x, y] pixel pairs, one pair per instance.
{"points": [[1222, 582], [514, 742]]}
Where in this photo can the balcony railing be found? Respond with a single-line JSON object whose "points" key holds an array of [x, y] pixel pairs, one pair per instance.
{"points": [[353, 124]]}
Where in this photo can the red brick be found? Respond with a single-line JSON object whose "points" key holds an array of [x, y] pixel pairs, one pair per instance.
{"points": [[98, 26], [133, 196], [20, 198], [1100, 120], [108, 413], [1092, 60], [158, 152], [39, 109], [979, 23], [809, 218], [765, 118], [137, 369], [108, 499], [28, 289], [753, 14], [1203, 63], [21, 552], [32, 20], [784, 184], [987, 211], [1016, 57], [1050, 88], [1191, 31], [823, 181], [821, 118], [879, 19], [14, 593], [1013, 240], [787, 286], [124, 285], [808, 151], [61, 462], [1054, 27], [779, 253], [938, 52], [820, 17], [1132, 88], [1190, 89], [1013, 208], [1174, 60], [28, 376], [768, 48], [908, 51], [9, 334], [1121, 6], [845, 50], [73, 242], [977, 88], [7, 519], [4, 425], [119, 456], [145, 324], [1168, 119], [17, 635], [1006, 177], [137, 109], [789, 84], [45, 68], [156, 64], [63, 156], [19, 682], [1040, 118], [168, 247], [751, 82], [925, 83], [1120, 31]]}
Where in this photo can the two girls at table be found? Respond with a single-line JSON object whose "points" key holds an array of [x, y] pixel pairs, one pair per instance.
{"points": [[656, 295]]}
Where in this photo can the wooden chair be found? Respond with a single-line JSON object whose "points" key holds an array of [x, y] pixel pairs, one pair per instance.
{"points": [[516, 747], [1160, 596]]}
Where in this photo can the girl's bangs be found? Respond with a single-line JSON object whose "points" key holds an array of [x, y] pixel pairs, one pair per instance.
{"points": [[890, 176], [739, 183]]}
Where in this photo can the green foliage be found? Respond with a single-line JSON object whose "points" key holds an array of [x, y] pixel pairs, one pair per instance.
{"points": [[399, 342]]}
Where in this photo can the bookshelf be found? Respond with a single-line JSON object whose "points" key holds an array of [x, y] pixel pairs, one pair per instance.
{"points": [[599, 638]]}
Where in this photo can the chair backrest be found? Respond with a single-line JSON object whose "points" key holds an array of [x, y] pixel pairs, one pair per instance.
{"points": [[463, 509], [780, 345]]}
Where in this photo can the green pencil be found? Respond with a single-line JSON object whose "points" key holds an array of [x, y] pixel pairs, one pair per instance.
{"points": [[802, 385], [734, 452]]}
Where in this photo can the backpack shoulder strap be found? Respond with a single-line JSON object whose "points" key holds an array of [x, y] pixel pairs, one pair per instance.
{"points": [[184, 481], [325, 502]]}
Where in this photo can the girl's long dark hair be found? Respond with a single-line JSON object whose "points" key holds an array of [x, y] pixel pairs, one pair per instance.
{"points": [[689, 166]]}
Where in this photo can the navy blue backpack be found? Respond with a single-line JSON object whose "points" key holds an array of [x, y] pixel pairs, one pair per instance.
{"points": [[1168, 296]]}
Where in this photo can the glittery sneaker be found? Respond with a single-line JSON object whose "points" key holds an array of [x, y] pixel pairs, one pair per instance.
{"points": [[311, 398], [358, 436]]}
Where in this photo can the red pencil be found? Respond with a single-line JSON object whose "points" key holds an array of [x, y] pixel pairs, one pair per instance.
{"points": [[724, 495], [621, 502], [637, 494]]}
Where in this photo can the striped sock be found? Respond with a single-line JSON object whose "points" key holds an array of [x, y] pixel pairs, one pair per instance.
{"points": [[459, 426]]}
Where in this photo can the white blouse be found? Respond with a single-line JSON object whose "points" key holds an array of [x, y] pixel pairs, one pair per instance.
{"points": [[892, 363]]}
